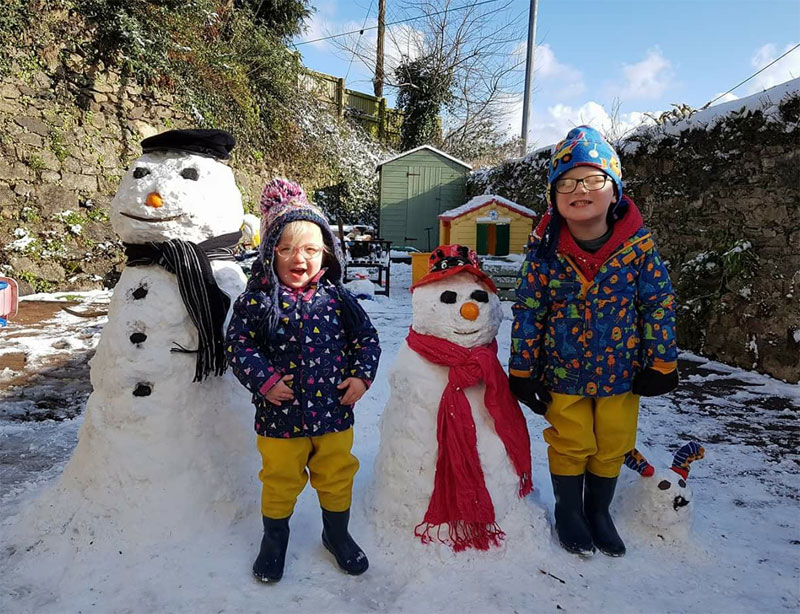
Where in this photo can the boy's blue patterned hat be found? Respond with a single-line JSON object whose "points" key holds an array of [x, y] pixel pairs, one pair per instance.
{"points": [[583, 146]]}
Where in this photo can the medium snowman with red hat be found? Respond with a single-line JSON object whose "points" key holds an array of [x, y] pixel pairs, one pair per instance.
{"points": [[454, 456]]}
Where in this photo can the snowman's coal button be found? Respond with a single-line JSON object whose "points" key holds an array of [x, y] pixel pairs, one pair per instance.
{"points": [[138, 338], [139, 293], [142, 390]]}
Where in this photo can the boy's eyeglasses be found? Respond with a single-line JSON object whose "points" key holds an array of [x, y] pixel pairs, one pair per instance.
{"points": [[591, 183], [309, 252]]}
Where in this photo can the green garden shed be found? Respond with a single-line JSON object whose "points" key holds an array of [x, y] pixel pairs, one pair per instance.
{"points": [[415, 187]]}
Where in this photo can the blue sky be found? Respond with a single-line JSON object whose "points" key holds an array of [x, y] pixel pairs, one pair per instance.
{"points": [[643, 54]]}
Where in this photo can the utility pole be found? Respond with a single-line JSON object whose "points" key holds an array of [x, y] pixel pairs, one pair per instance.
{"points": [[526, 101], [377, 81]]}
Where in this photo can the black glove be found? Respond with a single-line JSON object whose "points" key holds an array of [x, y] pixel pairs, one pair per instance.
{"points": [[652, 383], [531, 392]]}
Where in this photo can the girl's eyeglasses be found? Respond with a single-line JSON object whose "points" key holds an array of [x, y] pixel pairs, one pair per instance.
{"points": [[592, 183], [309, 252]]}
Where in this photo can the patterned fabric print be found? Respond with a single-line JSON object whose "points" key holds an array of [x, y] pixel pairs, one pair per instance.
{"points": [[685, 456], [310, 343], [583, 146], [635, 460], [589, 338]]}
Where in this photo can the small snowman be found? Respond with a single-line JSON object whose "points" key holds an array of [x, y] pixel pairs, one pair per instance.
{"points": [[662, 498], [166, 429], [454, 454]]}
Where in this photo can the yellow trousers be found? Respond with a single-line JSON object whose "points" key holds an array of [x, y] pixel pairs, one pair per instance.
{"points": [[283, 475], [590, 434]]}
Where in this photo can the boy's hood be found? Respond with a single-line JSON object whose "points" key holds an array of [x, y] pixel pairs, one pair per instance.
{"points": [[624, 228]]}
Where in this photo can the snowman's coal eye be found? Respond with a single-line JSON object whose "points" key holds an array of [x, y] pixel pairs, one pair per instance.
{"points": [[664, 485], [190, 173], [480, 295], [681, 483], [140, 171], [449, 297]]}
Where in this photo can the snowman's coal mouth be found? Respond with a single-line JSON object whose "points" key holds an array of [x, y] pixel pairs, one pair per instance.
{"points": [[150, 219], [471, 332]]}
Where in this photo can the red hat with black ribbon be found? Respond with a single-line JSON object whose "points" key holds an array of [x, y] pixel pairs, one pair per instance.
{"points": [[448, 260]]}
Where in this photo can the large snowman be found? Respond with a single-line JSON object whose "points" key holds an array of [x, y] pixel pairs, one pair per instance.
{"points": [[163, 447], [454, 456]]}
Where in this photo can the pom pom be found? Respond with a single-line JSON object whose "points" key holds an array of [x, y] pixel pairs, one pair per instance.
{"points": [[281, 191]]}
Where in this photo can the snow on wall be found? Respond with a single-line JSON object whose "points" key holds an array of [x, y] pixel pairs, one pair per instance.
{"points": [[476, 202]]}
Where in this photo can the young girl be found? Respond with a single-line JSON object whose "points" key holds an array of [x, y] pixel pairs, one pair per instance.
{"points": [[594, 329], [307, 351]]}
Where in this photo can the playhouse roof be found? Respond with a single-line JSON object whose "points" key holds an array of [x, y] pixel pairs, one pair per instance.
{"points": [[485, 199], [428, 147]]}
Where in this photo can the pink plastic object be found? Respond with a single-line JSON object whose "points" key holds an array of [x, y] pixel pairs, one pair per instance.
{"points": [[9, 298]]}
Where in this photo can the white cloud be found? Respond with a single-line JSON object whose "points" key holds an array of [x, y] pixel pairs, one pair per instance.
{"points": [[551, 124], [562, 80], [647, 79], [783, 70], [401, 41], [512, 117], [322, 24]]}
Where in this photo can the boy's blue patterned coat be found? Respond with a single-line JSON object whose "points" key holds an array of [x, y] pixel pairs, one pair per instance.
{"points": [[590, 337], [310, 343]]}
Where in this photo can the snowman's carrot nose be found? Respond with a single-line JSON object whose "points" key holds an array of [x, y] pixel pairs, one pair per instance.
{"points": [[154, 200], [470, 311]]}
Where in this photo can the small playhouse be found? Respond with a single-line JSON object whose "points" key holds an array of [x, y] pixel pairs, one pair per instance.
{"points": [[489, 224]]}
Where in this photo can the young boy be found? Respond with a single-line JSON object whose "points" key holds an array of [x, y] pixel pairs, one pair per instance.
{"points": [[307, 351], [594, 329]]}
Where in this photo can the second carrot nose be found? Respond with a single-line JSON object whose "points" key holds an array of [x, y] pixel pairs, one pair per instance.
{"points": [[470, 311], [154, 200]]}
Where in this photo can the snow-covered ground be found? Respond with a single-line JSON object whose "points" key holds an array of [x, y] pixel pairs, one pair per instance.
{"points": [[741, 554]]}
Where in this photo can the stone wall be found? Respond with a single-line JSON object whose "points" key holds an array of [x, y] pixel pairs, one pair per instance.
{"points": [[724, 205], [68, 131]]}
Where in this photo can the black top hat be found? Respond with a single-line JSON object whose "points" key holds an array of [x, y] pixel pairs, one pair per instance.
{"points": [[213, 143]]}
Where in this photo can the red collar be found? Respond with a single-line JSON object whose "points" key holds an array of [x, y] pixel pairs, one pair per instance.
{"points": [[590, 263]]}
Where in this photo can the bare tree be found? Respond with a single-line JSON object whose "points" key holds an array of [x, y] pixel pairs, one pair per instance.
{"points": [[474, 42]]}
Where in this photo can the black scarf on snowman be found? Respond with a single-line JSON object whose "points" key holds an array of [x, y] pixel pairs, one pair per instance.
{"points": [[206, 303]]}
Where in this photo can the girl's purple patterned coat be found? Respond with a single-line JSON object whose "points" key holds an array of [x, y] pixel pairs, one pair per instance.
{"points": [[310, 343]]}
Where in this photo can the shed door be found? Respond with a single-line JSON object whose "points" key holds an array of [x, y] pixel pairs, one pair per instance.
{"points": [[503, 235], [424, 196], [493, 239], [483, 238]]}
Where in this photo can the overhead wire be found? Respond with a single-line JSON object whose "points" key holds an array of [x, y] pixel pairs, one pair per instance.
{"points": [[358, 42], [394, 23], [708, 104]]}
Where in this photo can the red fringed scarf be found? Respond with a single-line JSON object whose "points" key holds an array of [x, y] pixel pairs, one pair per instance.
{"points": [[460, 498]]}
